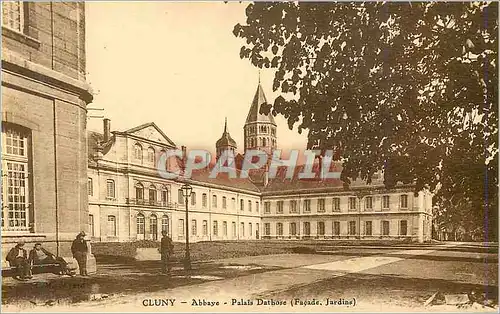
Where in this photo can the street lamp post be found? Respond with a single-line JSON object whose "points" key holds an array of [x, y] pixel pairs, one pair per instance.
{"points": [[186, 192]]}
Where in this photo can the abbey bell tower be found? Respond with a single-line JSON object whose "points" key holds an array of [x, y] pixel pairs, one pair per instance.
{"points": [[260, 129]]}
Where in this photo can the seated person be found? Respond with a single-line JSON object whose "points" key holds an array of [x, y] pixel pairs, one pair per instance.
{"points": [[40, 256], [18, 257]]}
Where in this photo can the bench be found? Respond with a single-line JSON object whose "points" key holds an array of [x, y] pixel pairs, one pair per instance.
{"points": [[9, 271]]}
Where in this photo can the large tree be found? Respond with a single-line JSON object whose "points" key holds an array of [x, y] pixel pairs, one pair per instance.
{"points": [[409, 88]]}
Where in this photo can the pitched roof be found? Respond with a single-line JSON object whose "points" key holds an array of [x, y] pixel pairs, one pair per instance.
{"points": [[146, 125], [254, 114]]}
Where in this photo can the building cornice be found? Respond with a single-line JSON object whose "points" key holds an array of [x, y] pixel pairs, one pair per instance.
{"points": [[17, 64]]}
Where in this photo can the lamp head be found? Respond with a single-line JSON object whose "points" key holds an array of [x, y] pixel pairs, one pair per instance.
{"points": [[186, 190]]}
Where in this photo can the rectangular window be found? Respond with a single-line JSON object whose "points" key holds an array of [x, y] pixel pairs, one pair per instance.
{"points": [[249, 206], [205, 228], [321, 205], [194, 227], [90, 187], [352, 228], [110, 188], [193, 199], [250, 229], [111, 226], [321, 228], [336, 204], [404, 201], [293, 206], [91, 225], [257, 206], [233, 203], [204, 200], [267, 229], [307, 228], [352, 203], [233, 226], [242, 229], [336, 228], [293, 228], [181, 228], [180, 197], [216, 228], [214, 201], [152, 196], [15, 179], [368, 203], [385, 227], [224, 202], [368, 228], [279, 229], [224, 228], [267, 207], [403, 227], [279, 207], [385, 202], [13, 15], [242, 205], [307, 206]]}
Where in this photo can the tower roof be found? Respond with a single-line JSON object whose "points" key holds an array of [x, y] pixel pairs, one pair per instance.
{"points": [[226, 139], [254, 114]]}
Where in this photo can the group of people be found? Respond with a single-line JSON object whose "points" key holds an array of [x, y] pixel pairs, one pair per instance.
{"points": [[19, 258]]}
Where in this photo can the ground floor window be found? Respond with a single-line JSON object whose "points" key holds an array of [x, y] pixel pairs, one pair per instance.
{"points": [[205, 228], [194, 228], [307, 228], [368, 228], [234, 229], [242, 229], [250, 229], [224, 228], [216, 228], [164, 224], [111, 226], [385, 227], [15, 178], [91, 225], [403, 227], [267, 229], [153, 227], [321, 228], [279, 228], [181, 228], [352, 228], [336, 228], [293, 228], [140, 226]]}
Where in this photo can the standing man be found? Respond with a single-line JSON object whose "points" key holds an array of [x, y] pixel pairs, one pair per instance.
{"points": [[18, 258], [79, 249], [166, 249]]}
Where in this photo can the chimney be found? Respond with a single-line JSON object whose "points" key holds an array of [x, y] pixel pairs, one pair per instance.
{"points": [[184, 155], [266, 176], [107, 129]]}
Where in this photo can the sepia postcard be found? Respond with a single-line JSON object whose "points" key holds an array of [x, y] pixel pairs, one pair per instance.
{"points": [[232, 156]]}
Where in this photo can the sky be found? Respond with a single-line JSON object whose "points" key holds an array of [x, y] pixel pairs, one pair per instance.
{"points": [[176, 64]]}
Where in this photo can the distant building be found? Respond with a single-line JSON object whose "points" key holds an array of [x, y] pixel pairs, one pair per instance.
{"points": [[44, 116], [129, 200]]}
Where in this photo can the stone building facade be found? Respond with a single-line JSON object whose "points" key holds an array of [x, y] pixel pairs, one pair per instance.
{"points": [[129, 200], [44, 113]]}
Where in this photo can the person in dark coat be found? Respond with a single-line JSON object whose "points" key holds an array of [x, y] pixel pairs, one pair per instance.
{"points": [[18, 257], [166, 250], [79, 249], [39, 256]]}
